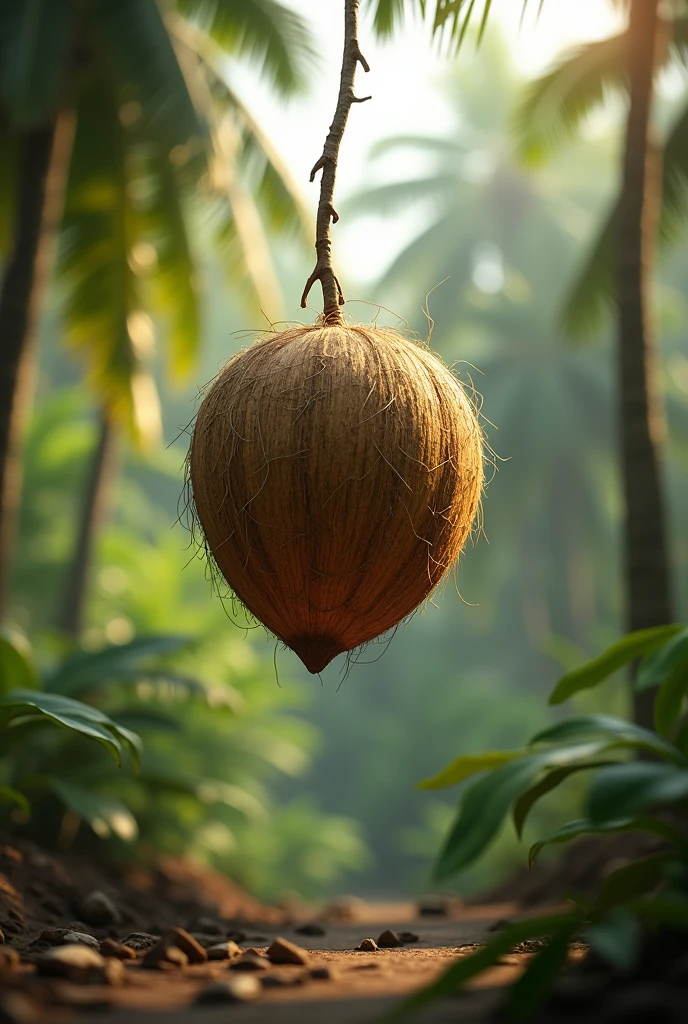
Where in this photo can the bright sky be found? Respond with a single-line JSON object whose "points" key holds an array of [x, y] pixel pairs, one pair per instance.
{"points": [[405, 99]]}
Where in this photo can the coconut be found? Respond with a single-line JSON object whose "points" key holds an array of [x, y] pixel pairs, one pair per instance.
{"points": [[336, 473]]}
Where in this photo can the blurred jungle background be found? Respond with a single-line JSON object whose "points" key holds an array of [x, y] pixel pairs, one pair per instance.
{"points": [[461, 213]]}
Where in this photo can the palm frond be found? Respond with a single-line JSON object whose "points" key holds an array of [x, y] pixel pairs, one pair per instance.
{"points": [[675, 178], [102, 291], [401, 194], [35, 39], [592, 294], [450, 19], [277, 195], [174, 284], [389, 14], [555, 104], [265, 31], [137, 49]]}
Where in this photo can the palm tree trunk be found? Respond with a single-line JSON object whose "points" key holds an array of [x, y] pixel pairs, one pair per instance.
{"points": [[93, 512], [645, 545], [43, 167]]}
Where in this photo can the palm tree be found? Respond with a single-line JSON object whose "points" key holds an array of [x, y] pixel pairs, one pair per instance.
{"points": [[160, 137], [630, 241], [618, 269]]}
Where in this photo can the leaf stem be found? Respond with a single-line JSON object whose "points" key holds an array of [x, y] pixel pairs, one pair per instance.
{"points": [[333, 296]]}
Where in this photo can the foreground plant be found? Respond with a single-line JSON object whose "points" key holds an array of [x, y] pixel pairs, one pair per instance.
{"points": [[624, 796]]}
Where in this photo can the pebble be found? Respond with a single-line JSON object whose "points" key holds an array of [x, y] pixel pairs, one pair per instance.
{"points": [[310, 928], [165, 956], [250, 962], [141, 941], [389, 940], [98, 909], [409, 937], [282, 951], [235, 990], [69, 961], [223, 950], [194, 951], [68, 937], [116, 950], [206, 926], [282, 979], [323, 973]]}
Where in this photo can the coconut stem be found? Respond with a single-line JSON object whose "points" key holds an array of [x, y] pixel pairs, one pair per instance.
{"points": [[333, 297]]}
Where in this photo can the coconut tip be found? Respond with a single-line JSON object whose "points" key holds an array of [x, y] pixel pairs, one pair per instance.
{"points": [[316, 652]]}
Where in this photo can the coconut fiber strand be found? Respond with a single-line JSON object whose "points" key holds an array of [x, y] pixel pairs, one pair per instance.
{"points": [[336, 472]]}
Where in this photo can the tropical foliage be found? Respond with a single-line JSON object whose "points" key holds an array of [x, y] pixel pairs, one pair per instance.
{"points": [[624, 796]]}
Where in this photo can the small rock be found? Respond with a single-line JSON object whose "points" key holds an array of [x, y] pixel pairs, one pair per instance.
{"points": [[68, 937], [113, 972], [282, 951], [250, 962], [236, 936], [433, 906], [182, 940], [368, 946], [310, 928], [282, 979], [165, 956], [389, 940], [98, 909], [409, 937], [141, 941], [323, 973], [9, 959], [223, 950], [72, 962], [116, 950], [234, 990], [347, 908]]}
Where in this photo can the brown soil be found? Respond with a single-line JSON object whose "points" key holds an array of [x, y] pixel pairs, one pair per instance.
{"points": [[40, 890]]}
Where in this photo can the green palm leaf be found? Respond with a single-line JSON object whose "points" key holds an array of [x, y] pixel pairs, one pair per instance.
{"points": [[555, 104], [102, 291], [265, 31], [137, 47], [174, 282], [35, 38]]}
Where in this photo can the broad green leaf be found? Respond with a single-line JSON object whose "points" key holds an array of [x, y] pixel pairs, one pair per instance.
{"points": [[530, 991], [486, 804], [630, 789], [35, 41], [669, 700], [586, 826], [106, 816], [620, 732], [616, 938], [657, 667], [9, 795], [469, 764], [86, 669], [632, 880], [71, 714], [527, 801], [624, 651], [468, 967], [145, 720], [17, 670]]}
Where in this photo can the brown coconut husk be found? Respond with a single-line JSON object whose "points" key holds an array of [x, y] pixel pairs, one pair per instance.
{"points": [[336, 473]]}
